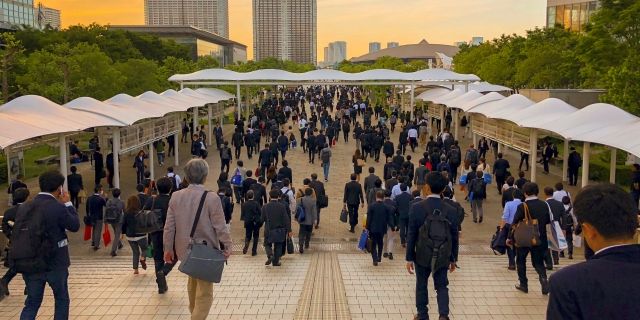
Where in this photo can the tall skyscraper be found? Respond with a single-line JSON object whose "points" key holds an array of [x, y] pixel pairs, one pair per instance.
{"points": [[16, 13], [571, 14], [337, 52], [374, 47], [285, 29], [49, 17], [476, 41], [208, 15], [392, 44]]}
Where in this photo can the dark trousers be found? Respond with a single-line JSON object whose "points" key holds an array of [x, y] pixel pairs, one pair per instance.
{"points": [[551, 257], [353, 215], [545, 164], [263, 170], [346, 136], [377, 243], [312, 154], [403, 148], [57, 280], [249, 152], [440, 282], [304, 236], [8, 276], [224, 165], [74, 198], [237, 191], [252, 231], [404, 224], [500, 179], [635, 195], [511, 256], [139, 175], [573, 176], [237, 151], [158, 253], [274, 251], [283, 153], [537, 260], [172, 150], [376, 154], [453, 173], [413, 142], [524, 159], [110, 178], [569, 237]]}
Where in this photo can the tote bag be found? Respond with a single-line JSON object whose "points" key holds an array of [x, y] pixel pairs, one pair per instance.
{"points": [[526, 233], [556, 239], [202, 262]]}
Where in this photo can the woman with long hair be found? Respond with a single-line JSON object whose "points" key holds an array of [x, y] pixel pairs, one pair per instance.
{"points": [[137, 241], [358, 163]]}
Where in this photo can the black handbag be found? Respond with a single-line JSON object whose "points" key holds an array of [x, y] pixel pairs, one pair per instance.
{"points": [[499, 240], [344, 215], [323, 201], [290, 247], [148, 221]]}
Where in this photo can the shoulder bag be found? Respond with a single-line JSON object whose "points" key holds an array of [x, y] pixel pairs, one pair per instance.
{"points": [[202, 262], [556, 238], [526, 233], [148, 221]]}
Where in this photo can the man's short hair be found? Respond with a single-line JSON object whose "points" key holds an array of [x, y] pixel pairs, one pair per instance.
{"points": [[20, 195], [314, 176], [116, 193], [380, 194], [530, 189], [521, 174], [548, 191], [437, 182], [306, 181], [50, 181], [510, 181], [286, 182], [372, 169], [97, 188], [139, 187], [164, 185], [609, 209], [353, 177], [73, 169], [403, 187], [249, 173], [250, 194], [274, 194], [308, 191]]}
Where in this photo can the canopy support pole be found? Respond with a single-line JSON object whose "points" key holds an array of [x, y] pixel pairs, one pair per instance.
{"points": [[455, 124], [64, 163], [533, 153], [238, 101], [412, 100], [7, 154], [443, 112], [475, 140], [152, 164], [116, 158], [210, 128], [565, 160], [612, 166], [585, 163], [195, 120], [176, 147], [402, 98]]}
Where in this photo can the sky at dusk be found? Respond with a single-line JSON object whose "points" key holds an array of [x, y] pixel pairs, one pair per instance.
{"points": [[357, 22]]}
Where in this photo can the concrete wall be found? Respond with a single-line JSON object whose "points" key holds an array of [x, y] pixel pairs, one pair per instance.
{"points": [[578, 98]]}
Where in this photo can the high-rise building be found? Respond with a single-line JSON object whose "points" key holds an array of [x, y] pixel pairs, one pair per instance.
{"points": [[392, 44], [459, 43], [49, 17], [208, 15], [476, 41], [16, 13], [285, 29], [374, 47], [327, 56], [337, 52], [571, 14]]}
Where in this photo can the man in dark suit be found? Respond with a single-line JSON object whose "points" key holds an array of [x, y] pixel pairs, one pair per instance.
{"points": [[20, 196], [557, 209], [500, 168], [507, 195], [248, 182], [275, 217], [370, 180], [378, 220], [353, 196], [436, 183], [110, 169], [403, 205], [59, 216], [574, 163], [74, 183], [547, 154], [318, 187], [264, 159], [95, 211], [285, 171], [250, 214], [98, 164], [607, 285], [539, 211]]}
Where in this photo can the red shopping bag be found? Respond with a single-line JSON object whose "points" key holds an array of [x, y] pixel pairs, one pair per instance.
{"points": [[106, 236], [87, 232]]}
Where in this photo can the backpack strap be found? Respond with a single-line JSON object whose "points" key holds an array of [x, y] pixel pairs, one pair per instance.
{"points": [[195, 221]]}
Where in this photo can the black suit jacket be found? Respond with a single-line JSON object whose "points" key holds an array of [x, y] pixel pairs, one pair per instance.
{"points": [[605, 287], [74, 182], [403, 203], [417, 215], [318, 187], [557, 208], [500, 167], [379, 217], [286, 173], [274, 215], [369, 182], [539, 211], [353, 193]]}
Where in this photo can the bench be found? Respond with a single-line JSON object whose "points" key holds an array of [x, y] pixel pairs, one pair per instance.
{"points": [[46, 160]]}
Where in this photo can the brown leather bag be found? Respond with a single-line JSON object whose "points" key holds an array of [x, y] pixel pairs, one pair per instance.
{"points": [[526, 233]]}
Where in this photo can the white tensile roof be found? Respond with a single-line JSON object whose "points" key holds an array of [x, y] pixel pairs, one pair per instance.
{"points": [[430, 94], [154, 110], [489, 97], [183, 98], [463, 99], [216, 93], [596, 120], [324, 75], [123, 114], [543, 112], [497, 109], [449, 96], [154, 98]]}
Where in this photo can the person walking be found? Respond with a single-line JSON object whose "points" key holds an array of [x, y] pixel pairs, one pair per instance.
{"points": [[137, 241], [20, 196], [310, 207], [53, 205], [98, 166], [225, 157], [75, 185], [95, 212], [139, 165], [524, 159], [159, 146], [353, 196], [264, 160], [508, 213], [277, 227], [538, 210], [394, 222], [251, 215], [113, 215], [211, 229], [606, 285], [420, 261], [477, 194], [378, 221], [321, 195], [325, 157], [501, 171], [358, 162], [160, 203], [574, 163]]}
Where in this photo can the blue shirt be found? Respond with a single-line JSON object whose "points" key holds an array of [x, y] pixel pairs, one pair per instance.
{"points": [[396, 191], [510, 210]]}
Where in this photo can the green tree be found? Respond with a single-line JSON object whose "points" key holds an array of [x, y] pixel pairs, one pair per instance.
{"points": [[10, 54], [141, 75]]}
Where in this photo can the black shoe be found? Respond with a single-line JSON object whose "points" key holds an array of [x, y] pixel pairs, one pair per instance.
{"points": [[549, 267], [277, 264], [246, 247], [480, 220], [443, 317], [254, 253], [113, 253], [375, 263], [511, 267], [544, 283], [386, 255], [268, 261], [561, 254], [95, 248], [120, 246], [161, 280], [352, 230], [4, 289], [306, 246], [301, 250], [570, 256], [475, 220], [556, 262], [522, 288]]}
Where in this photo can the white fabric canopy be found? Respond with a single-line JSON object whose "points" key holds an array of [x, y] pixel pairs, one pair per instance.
{"points": [[624, 138], [449, 96], [481, 87], [489, 97], [154, 98], [430, 94], [463, 99], [598, 119], [13, 130], [125, 115], [216, 93], [195, 102], [154, 111], [323, 75], [543, 112], [496, 109], [201, 96]]}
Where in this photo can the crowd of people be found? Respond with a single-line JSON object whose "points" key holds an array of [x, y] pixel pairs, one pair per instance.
{"points": [[422, 203]]}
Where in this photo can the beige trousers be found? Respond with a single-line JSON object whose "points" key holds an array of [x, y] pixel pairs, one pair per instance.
{"points": [[200, 298]]}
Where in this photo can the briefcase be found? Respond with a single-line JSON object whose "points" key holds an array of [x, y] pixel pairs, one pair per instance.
{"points": [[526, 233]]}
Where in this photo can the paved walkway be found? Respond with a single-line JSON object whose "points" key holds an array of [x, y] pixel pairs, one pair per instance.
{"points": [[330, 281]]}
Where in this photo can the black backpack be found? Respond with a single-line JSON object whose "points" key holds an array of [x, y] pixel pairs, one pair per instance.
{"points": [[112, 213], [434, 245], [454, 156], [478, 187], [31, 246]]}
